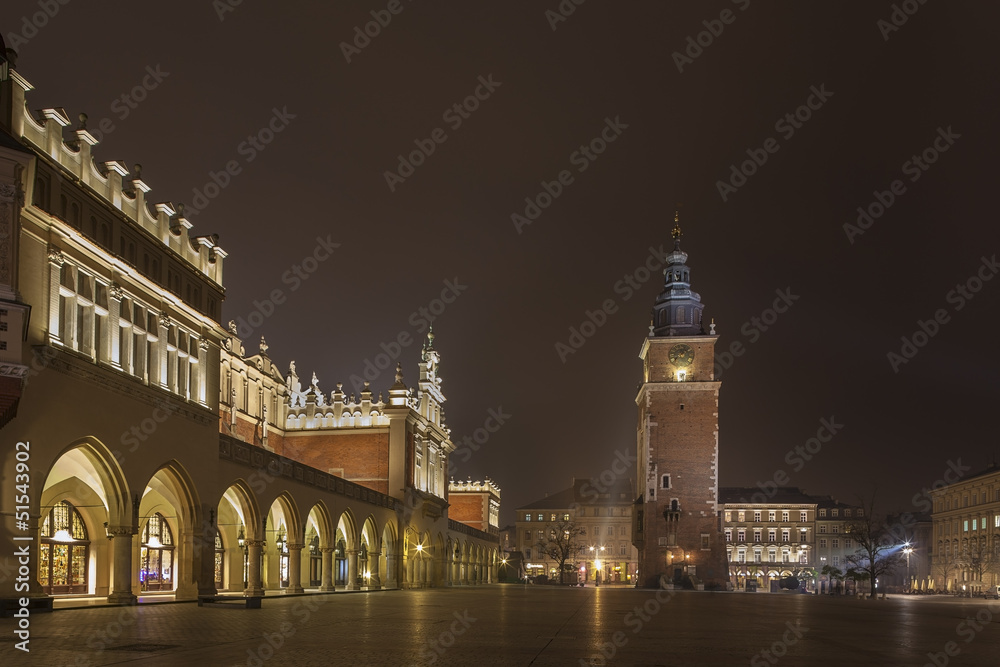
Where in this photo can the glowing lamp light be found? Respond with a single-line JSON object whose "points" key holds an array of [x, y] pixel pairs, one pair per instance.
{"points": [[368, 574], [681, 375], [154, 542], [597, 564], [420, 547], [62, 535]]}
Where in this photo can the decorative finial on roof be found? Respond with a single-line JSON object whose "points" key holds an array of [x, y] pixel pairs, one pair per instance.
{"points": [[676, 231], [137, 172], [399, 373], [83, 121], [232, 327], [711, 327], [263, 345]]}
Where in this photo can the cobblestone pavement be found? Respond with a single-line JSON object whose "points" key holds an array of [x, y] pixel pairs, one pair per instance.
{"points": [[514, 625]]}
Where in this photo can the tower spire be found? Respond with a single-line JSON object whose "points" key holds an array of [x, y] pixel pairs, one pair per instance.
{"points": [[678, 309]]}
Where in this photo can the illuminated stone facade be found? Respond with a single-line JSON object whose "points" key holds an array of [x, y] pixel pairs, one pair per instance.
{"points": [[163, 459]]}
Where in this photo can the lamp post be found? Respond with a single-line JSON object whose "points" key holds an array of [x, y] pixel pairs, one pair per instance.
{"points": [[907, 549], [241, 539]]}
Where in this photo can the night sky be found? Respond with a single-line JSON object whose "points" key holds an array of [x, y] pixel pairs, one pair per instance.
{"points": [[885, 94]]}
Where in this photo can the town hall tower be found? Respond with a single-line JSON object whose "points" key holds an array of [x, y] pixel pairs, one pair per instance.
{"points": [[676, 519]]}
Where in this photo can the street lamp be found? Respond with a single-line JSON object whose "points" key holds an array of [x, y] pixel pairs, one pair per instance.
{"points": [[907, 549], [241, 539]]}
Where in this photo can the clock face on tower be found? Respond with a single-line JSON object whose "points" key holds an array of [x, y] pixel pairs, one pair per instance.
{"points": [[681, 355]]}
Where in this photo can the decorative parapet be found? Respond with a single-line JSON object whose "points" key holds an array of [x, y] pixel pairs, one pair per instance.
{"points": [[251, 456], [310, 409], [460, 527], [486, 486], [110, 180]]}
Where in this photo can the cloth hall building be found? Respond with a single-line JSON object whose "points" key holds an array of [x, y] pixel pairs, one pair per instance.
{"points": [[159, 454]]}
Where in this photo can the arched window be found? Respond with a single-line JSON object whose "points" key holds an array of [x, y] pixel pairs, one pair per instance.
{"points": [[315, 559], [156, 556], [63, 551], [680, 314], [341, 568], [363, 563]]}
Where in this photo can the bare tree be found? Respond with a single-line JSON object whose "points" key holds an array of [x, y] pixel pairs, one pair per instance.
{"points": [[877, 554], [981, 561], [562, 544], [944, 566]]}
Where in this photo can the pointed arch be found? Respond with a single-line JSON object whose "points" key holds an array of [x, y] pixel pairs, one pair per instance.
{"points": [[92, 463]]}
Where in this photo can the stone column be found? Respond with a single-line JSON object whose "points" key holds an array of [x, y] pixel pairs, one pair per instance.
{"points": [[294, 568], [352, 569], [326, 576], [391, 571], [254, 587], [374, 564], [121, 549]]}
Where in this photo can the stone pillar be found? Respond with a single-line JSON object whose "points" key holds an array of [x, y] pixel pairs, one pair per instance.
{"points": [[374, 564], [254, 587], [392, 571], [295, 568], [326, 576], [352, 569], [121, 549]]}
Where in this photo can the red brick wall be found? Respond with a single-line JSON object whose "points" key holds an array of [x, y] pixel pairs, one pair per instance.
{"points": [[470, 509], [683, 445], [363, 455]]}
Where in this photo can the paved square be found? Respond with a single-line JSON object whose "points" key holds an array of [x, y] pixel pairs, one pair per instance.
{"points": [[514, 625]]}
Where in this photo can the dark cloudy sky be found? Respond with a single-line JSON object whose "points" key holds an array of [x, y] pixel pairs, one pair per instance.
{"points": [[887, 96]]}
